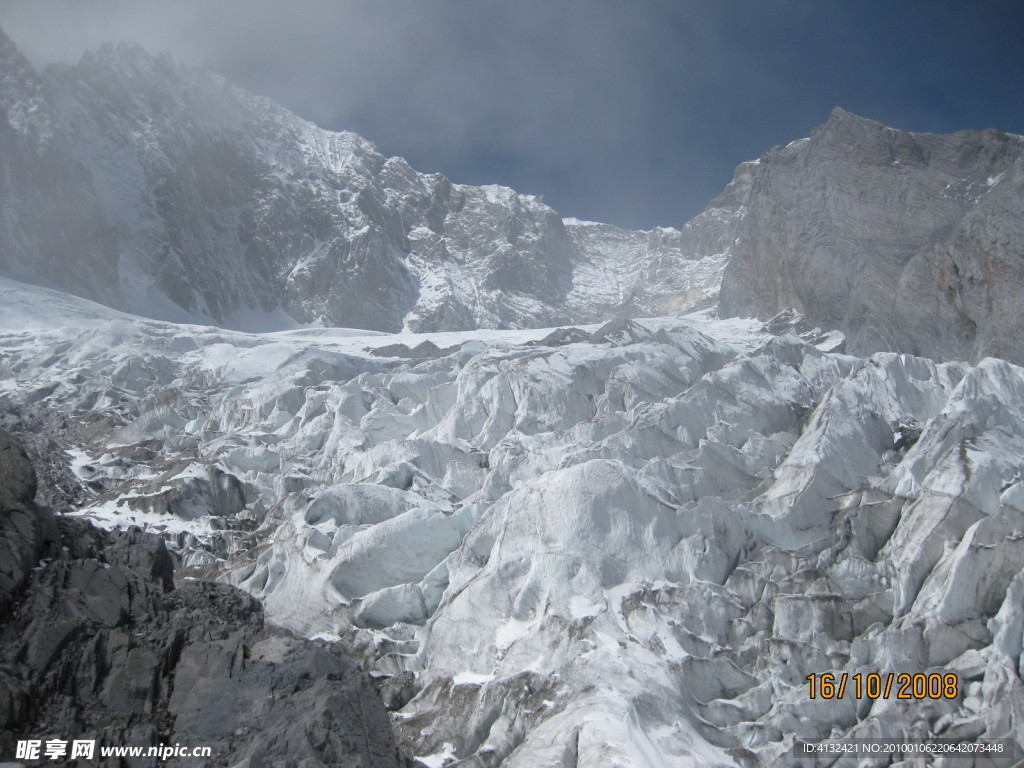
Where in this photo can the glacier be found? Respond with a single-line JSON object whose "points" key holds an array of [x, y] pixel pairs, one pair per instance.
{"points": [[617, 545]]}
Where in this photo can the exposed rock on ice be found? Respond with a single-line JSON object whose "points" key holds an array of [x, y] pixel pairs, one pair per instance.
{"points": [[97, 644]]}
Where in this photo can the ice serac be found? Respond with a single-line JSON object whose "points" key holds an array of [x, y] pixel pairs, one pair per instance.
{"points": [[625, 545], [906, 242], [165, 191]]}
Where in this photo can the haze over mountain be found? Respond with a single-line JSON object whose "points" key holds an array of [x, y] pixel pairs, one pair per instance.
{"points": [[165, 191]]}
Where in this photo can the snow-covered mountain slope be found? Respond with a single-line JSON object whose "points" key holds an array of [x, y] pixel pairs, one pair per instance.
{"points": [[645, 273], [164, 191], [907, 242], [617, 546]]}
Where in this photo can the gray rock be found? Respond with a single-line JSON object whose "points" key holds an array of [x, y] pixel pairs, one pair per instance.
{"points": [[20, 530], [619, 332], [560, 337], [38, 429], [425, 350], [97, 643], [17, 478], [906, 242]]}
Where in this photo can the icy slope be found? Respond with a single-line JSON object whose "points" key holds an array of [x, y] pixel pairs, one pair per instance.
{"points": [[165, 191], [618, 546], [645, 273]]}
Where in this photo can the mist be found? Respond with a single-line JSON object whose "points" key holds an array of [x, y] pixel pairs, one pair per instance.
{"points": [[631, 114]]}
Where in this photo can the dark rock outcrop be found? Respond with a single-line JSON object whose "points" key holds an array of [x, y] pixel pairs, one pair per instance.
{"points": [[96, 642], [906, 242]]}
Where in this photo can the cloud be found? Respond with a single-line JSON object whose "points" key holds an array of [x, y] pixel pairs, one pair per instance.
{"points": [[634, 113], [549, 97]]}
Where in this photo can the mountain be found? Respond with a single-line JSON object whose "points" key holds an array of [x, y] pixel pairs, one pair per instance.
{"points": [[906, 242], [628, 542], [165, 191]]}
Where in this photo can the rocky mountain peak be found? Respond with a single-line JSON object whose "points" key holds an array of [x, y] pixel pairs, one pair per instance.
{"points": [[902, 240], [868, 141], [208, 204], [842, 117], [13, 65], [20, 99]]}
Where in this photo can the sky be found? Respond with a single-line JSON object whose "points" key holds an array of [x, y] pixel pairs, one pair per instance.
{"points": [[633, 113]]}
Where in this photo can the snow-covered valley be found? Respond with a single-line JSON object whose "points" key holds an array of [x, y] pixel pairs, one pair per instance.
{"points": [[624, 545]]}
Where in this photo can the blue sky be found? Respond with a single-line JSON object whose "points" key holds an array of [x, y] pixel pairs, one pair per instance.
{"points": [[634, 113]]}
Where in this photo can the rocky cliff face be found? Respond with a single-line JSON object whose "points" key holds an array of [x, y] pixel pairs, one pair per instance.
{"points": [[165, 191], [906, 242], [97, 643], [52, 222]]}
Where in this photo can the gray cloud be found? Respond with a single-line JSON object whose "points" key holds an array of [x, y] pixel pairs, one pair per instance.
{"points": [[634, 113]]}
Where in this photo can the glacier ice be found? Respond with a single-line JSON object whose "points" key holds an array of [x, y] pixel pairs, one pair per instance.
{"points": [[610, 546]]}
